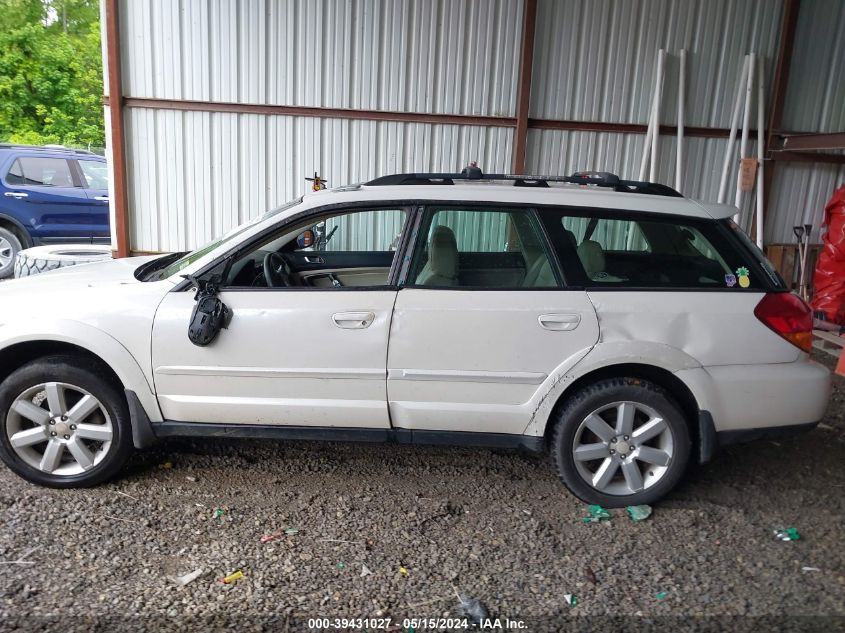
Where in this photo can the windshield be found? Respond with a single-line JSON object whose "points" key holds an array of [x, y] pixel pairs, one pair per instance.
{"points": [[183, 262]]}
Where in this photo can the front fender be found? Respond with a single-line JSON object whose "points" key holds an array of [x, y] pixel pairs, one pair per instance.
{"points": [[96, 341], [601, 356]]}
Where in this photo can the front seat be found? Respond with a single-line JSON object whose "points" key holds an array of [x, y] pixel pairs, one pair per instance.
{"points": [[441, 269]]}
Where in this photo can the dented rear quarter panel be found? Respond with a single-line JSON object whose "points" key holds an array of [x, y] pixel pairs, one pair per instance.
{"points": [[683, 332]]}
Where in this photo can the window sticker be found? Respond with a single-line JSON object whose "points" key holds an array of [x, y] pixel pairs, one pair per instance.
{"points": [[742, 273], [730, 280]]}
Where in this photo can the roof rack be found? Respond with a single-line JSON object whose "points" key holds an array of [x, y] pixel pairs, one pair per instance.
{"points": [[584, 178], [46, 148]]}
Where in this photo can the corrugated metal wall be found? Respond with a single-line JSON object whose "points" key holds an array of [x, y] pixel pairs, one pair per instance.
{"points": [[220, 169], [193, 175], [596, 61]]}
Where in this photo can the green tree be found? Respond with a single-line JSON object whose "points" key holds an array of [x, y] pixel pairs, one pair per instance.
{"points": [[51, 72]]}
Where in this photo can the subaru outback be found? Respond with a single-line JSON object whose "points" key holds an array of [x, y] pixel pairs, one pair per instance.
{"points": [[627, 330]]}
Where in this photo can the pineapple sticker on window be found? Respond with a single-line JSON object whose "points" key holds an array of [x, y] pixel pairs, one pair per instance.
{"points": [[742, 274]]}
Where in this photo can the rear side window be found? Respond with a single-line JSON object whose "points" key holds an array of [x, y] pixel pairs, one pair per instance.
{"points": [[96, 174], [35, 171], [608, 250], [478, 247]]}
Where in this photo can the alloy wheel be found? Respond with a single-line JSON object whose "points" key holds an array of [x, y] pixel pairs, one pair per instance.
{"points": [[623, 448], [7, 252], [59, 428]]}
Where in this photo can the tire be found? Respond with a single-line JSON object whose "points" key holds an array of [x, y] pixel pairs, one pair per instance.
{"points": [[658, 451], [10, 247], [82, 454], [40, 259]]}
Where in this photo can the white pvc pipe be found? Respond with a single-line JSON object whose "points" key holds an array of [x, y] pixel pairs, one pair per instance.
{"points": [[653, 125], [723, 184], [658, 93], [647, 146], [760, 125], [679, 157], [746, 120]]}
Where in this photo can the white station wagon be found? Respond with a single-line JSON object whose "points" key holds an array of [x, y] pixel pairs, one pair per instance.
{"points": [[624, 328]]}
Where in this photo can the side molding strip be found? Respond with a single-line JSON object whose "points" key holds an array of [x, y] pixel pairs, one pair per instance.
{"points": [[345, 434]]}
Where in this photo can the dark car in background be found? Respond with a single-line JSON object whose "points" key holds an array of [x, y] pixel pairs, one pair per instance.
{"points": [[50, 195]]}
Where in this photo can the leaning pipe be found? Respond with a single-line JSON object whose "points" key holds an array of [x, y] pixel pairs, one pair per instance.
{"points": [[654, 118], [658, 93], [679, 156], [760, 151], [723, 184], [746, 121]]}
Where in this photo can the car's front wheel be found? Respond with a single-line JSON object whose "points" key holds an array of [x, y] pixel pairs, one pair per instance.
{"points": [[62, 424], [621, 441]]}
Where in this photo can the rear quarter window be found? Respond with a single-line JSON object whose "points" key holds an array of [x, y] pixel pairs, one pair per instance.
{"points": [[612, 249]]}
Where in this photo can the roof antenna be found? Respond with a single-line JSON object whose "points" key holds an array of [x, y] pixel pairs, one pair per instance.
{"points": [[472, 171]]}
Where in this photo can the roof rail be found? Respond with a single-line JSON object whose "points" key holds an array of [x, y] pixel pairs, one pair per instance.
{"points": [[584, 178], [47, 148]]}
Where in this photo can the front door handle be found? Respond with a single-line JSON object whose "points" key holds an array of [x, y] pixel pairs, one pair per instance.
{"points": [[559, 322], [353, 320], [16, 194], [101, 198]]}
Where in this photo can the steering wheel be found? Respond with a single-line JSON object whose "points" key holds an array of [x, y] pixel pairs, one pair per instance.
{"points": [[277, 273]]}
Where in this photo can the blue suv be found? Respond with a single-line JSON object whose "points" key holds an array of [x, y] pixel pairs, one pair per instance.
{"points": [[50, 195]]}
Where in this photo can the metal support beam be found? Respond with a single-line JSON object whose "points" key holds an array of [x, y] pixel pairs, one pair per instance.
{"points": [[118, 145], [808, 142], [808, 157], [526, 65]]}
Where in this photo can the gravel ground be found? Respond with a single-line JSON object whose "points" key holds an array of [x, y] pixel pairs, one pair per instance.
{"points": [[495, 525]]}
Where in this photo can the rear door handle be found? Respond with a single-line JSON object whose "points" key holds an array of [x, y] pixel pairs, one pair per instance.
{"points": [[353, 320], [559, 322], [16, 194]]}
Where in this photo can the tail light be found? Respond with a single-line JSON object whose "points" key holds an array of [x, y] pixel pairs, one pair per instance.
{"points": [[789, 316]]}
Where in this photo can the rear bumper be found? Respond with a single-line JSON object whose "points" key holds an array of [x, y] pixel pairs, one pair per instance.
{"points": [[725, 438], [741, 398], [710, 440]]}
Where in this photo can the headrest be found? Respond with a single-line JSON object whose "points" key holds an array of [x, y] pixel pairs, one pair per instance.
{"points": [[591, 255], [443, 252]]}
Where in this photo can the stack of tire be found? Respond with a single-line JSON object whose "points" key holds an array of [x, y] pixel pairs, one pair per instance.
{"points": [[40, 259]]}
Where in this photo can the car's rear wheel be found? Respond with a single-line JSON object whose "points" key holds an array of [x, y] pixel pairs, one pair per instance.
{"points": [[62, 424], [621, 441], [10, 246]]}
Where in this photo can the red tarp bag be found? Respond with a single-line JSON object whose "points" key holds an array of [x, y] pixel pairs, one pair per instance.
{"points": [[829, 278]]}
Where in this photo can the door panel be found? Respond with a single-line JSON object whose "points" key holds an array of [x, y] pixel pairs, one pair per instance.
{"points": [[351, 277], [303, 261], [96, 179], [463, 360], [291, 357]]}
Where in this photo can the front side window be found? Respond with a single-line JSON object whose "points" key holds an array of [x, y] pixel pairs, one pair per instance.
{"points": [[96, 174], [377, 230], [44, 172], [343, 249], [640, 251], [482, 248]]}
